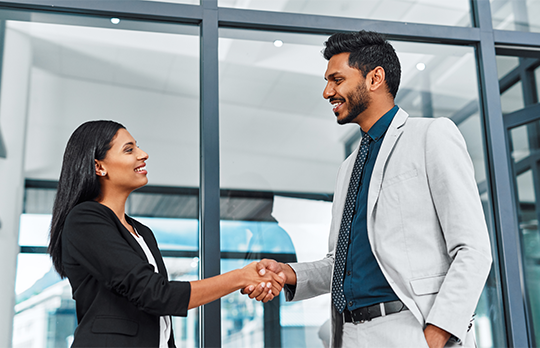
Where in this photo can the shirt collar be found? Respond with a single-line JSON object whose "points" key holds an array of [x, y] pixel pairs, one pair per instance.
{"points": [[377, 131]]}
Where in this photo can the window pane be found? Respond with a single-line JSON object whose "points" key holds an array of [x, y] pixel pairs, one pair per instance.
{"points": [[45, 311], [186, 329], [148, 81], [138, 78], [526, 166], [242, 319], [177, 236], [439, 12], [520, 15], [506, 64], [520, 143], [281, 149], [512, 99]]}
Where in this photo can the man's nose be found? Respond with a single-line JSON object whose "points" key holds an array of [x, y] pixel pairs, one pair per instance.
{"points": [[328, 91]]}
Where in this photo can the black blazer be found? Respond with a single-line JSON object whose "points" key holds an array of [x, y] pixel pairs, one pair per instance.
{"points": [[119, 298]]}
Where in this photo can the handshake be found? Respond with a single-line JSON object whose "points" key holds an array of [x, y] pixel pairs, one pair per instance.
{"points": [[266, 278]]}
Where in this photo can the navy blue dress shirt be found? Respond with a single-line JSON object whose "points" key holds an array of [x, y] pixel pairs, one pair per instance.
{"points": [[364, 283]]}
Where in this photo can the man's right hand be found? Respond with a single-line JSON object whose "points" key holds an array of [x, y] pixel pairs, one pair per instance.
{"points": [[265, 265], [272, 266]]}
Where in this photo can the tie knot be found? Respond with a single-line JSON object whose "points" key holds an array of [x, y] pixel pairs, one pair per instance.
{"points": [[365, 139]]}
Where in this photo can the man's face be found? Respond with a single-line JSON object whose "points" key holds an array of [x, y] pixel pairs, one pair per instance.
{"points": [[346, 89]]}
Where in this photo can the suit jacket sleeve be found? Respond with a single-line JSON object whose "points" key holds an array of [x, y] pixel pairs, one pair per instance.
{"points": [[459, 210], [92, 238], [315, 278]]}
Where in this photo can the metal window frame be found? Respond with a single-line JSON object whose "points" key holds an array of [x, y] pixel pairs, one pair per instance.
{"points": [[501, 183], [210, 18]]}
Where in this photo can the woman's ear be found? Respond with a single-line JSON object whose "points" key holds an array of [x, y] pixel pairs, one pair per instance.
{"points": [[100, 170]]}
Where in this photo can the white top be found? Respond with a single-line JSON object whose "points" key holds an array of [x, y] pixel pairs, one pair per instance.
{"points": [[165, 321]]}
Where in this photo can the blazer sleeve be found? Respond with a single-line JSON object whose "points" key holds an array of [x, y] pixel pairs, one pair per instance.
{"points": [[315, 278], [312, 279], [459, 210], [93, 241]]}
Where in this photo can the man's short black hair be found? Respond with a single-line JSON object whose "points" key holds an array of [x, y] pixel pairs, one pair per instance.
{"points": [[368, 50]]}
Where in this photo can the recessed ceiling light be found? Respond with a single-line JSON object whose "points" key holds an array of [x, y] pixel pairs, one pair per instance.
{"points": [[420, 66], [278, 43], [115, 20]]}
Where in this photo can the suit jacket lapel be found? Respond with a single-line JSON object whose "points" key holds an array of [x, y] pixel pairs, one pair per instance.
{"points": [[149, 239], [130, 239], [392, 135]]}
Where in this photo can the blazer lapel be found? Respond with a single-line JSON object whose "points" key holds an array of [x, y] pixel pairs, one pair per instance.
{"points": [[392, 135], [130, 239], [150, 241]]}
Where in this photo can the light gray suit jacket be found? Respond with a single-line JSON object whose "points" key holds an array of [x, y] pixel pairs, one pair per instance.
{"points": [[425, 224]]}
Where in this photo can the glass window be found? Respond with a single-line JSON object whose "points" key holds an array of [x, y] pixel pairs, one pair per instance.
{"points": [[45, 311], [512, 99], [280, 141], [146, 80], [519, 15], [520, 143], [526, 169], [505, 65], [176, 230], [437, 12]]}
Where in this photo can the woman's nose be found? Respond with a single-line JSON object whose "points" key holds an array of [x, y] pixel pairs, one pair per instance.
{"points": [[143, 155]]}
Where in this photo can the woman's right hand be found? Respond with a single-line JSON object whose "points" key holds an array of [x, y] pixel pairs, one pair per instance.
{"points": [[263, 287]]}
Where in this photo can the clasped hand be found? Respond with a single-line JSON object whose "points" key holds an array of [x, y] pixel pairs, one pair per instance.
{"points": [[269, 280]]}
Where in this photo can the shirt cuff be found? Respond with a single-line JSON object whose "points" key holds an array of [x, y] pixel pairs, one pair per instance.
{"points": [[290, 291]]}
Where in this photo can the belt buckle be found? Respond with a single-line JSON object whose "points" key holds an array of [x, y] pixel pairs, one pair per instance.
{"points": [[360, 316]]}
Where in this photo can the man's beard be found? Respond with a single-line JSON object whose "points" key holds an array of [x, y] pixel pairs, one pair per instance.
{"points": [[358, 101]]}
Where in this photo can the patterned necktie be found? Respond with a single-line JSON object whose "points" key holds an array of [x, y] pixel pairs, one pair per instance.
{"points": [[338, 296]]}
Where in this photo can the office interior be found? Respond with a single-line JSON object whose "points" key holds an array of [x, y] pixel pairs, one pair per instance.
{"points": [[226, 98]]}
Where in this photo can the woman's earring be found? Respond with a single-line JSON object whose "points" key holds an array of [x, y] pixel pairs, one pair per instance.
{"points": [[102, 173]]}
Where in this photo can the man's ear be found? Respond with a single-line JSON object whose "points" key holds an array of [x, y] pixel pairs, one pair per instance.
{"points": [[376, 78], [100, 170]]}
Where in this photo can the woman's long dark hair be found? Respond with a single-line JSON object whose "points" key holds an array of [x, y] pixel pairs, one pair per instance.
{"points": [[78, 180]]}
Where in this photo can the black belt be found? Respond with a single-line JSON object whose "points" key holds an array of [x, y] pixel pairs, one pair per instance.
{"points": [[367, 313]]}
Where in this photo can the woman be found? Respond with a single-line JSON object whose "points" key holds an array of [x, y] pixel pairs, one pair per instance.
{"points": [[118, 278]]}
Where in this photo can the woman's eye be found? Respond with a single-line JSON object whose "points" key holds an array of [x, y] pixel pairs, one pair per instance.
{"points": [[129, 149]]}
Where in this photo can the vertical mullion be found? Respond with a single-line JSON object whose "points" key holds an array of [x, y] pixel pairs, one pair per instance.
{"points": [[209, 233], [528, 84], [506, 224]]}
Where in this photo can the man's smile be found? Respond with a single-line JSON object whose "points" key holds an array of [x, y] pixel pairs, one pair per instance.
{"points": [[336, 104]]}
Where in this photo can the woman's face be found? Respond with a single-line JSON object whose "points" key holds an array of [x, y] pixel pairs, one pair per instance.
{"points": [[124, 164]]}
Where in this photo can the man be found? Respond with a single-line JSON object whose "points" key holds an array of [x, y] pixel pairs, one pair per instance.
{"points": [[409, 249]]}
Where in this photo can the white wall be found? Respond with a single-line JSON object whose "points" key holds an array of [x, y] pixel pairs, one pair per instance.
{"points": [[13, 115]]}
